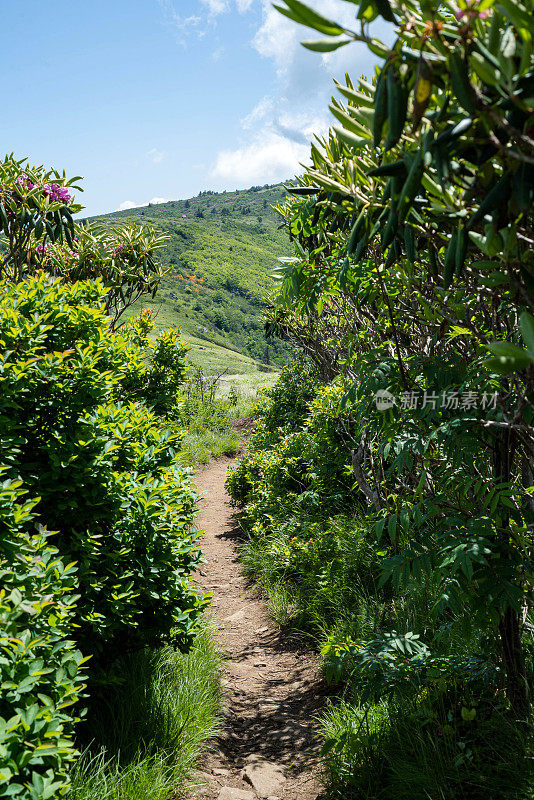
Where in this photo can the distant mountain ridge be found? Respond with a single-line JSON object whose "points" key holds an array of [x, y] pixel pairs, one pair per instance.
{"points": [[223, 248]]}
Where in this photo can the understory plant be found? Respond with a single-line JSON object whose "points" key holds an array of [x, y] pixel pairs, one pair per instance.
{"points": [[411, 293], [96, 513]]}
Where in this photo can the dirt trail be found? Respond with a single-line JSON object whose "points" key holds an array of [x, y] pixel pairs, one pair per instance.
{"points": [[272, 687]]}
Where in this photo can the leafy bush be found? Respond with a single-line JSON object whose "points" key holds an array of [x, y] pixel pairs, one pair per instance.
{"points": [[298, 457], [158, 376], [40, 667], [413, 232], [312, 545], [105, 470], [81, 411], [284, 407]]}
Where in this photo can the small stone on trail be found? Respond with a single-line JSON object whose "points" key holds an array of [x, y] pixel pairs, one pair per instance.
{"points": [[227, 793], [268, 705], [237, 616], [202, 776], [264, 776], [262, 630]]}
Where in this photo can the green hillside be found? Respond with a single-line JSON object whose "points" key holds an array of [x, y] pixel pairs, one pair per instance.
{"points": [[222, 251]]}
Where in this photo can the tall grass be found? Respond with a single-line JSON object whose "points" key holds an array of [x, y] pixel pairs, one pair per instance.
{"points": [[402, 750], [209, 425], [145, 732]]}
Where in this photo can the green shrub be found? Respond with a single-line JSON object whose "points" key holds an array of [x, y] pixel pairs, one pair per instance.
{"points": [[158, 377], [105, 470], [299, 456], [284, 407], [39, 665], [415, 675]]}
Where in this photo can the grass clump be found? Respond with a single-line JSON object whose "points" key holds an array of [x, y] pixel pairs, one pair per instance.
{"points": [[145, 733]]}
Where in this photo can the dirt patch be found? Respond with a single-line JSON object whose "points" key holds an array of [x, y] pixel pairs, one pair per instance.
{"points": [[245, 426], [273, 688]]}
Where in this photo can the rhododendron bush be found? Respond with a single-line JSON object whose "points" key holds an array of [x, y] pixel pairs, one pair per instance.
{"points": [[36, 218], [411, 291], [96, 515]]}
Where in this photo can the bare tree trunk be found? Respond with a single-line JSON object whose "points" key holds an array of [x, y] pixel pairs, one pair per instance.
{"points": [[510, 625], [516, 681], [372, 496]]}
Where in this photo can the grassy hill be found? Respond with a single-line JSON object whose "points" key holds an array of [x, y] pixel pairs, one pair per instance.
{"points": [[222, 250]]}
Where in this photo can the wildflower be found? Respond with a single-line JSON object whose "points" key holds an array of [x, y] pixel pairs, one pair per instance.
{"points": [[470, 12], [24, 181], [56, 193]]}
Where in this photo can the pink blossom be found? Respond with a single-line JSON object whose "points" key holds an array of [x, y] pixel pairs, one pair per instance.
{"points": [[56, 192], [471, 12], [23, 180]]}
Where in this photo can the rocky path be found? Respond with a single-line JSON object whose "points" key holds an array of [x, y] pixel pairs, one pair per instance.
{"points": [[273, 690]]}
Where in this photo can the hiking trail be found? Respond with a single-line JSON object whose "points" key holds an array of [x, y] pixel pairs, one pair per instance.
{"points": [[272, 687]]}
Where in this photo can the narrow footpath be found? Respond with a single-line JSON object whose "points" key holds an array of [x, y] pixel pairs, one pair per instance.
{"points": [[273, 690]]}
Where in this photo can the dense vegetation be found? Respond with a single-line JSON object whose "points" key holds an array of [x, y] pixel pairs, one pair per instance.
{"points": [[387, 492], [97, 539], [218, 260]]}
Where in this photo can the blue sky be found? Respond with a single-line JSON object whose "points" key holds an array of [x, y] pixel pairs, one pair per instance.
{"points": [[159, 99]]}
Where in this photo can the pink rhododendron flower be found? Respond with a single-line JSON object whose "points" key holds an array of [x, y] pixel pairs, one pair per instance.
{"points": [[24, 180], [471, 12], [56, 192]]}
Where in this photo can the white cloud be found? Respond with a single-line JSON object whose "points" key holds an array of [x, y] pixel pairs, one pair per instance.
{"points": [[299, 70], [269, 158], [130, 204], [218, 54], [259, 112], [181, 25], [216, 7], [198, 24], [278, 130], [156, 155]]}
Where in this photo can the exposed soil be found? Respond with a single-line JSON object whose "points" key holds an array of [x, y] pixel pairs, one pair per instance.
{"points": [[273, 688]]}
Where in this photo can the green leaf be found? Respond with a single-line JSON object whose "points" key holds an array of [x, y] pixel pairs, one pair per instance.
{"points": [[392, 527], [353, 141], [299, 12], [509, 358], [324, 45], [485, 71], [526, 322]]}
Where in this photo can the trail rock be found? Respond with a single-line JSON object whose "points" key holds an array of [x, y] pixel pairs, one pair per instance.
{"points": [[228, 793], [202, 776], [264, 776], [268, 705], [237, 616]]}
